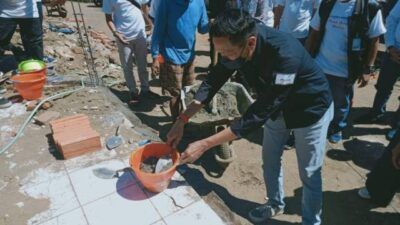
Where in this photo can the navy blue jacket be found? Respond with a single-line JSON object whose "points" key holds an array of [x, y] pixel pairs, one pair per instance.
{"points": [[286, 79]]}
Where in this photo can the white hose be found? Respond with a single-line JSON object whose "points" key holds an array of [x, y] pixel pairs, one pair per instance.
{"points": [[21, 130]]}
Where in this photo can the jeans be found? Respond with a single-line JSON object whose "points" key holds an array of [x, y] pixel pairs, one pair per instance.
{"points": [[310, 147], [342, 94], [388, 76], [135, 50], [31, 35]]}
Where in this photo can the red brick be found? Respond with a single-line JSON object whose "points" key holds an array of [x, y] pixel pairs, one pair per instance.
{"points": [[67, 118], [70, 137]]}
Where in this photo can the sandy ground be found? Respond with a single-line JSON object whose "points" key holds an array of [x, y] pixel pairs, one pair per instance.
{"points": [[240, 187]]}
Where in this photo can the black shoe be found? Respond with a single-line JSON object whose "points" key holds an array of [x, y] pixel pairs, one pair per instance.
{"points": [[369, 118]]}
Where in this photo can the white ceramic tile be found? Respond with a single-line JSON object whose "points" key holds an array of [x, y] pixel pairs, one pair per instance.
{"points": [[59, 193], [129, 206], [89, 187], [198, 213], [159, 223], [178, 195], [89, 159], [74, 217]]}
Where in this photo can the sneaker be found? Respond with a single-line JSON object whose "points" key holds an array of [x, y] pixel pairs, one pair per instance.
{"points": [[363, 193], [391, 134], [289, 143], [264, 212], [4, 103], [370, 117], [149, 94], [335, 138]]}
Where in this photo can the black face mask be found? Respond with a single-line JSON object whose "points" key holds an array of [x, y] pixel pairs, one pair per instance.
{"points": [[234, 64]]}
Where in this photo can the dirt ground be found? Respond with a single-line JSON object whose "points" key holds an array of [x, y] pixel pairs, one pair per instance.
{"points": [[238, 189]]}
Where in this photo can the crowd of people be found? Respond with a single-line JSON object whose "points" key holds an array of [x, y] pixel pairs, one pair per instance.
{"points": [[301, 58]]}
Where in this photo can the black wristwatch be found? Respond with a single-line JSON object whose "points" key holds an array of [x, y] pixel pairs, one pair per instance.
{"points": [[368, 69]]}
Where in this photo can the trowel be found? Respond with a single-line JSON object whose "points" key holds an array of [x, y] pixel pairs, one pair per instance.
{"points": [[114, 141], [106, 173], [163, 164]]}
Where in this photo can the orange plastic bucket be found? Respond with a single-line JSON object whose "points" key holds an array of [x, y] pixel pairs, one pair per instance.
{"points": [[156, 182], [29, 86]]}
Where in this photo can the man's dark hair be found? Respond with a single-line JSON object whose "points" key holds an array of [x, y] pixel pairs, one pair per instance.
{"points": [[235, 24]]}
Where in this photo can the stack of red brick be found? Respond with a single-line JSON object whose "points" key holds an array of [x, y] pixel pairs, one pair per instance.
{"points": [[74, 136]]}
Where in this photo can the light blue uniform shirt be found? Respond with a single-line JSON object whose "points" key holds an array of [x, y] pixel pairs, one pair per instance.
{"points": [[174, 34], [392, 36]]}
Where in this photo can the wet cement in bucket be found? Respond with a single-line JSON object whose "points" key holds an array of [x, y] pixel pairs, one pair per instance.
{"points": [[156, 165]]}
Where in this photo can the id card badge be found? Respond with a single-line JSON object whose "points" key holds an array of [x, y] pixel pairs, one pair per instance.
{"points": [[356, 44], [284, 78]]}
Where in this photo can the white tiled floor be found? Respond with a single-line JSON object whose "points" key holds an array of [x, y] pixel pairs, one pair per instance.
{"points": [[159, 223], [74, 217], [88, 187], [121, 201], [183, 196], [115, 209], [198, 213], [60, 194]]}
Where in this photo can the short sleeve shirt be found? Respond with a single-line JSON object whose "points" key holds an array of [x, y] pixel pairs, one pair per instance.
{"points": [[332, 56], [128, 19], [18, 9]]}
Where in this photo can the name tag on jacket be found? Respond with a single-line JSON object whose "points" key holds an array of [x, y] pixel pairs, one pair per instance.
{"points": [[284, 78]]}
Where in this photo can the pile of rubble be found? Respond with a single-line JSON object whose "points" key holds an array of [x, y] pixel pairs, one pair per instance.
{"points": [[61, 40]]}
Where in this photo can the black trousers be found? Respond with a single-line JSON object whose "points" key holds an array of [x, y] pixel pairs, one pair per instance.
{"points": [[384, 179], [31, 35]]}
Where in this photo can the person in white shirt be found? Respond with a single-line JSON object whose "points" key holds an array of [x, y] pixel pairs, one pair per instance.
{"points": [[259, 9], [343, 66], [293, 16], [126, 22], [22, 13]]}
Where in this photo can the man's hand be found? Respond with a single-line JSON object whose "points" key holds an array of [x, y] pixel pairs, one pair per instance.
{"points": [[364, 79], [368, 74], [155, 68], [396, 157], [174, 135], [394, 54], [194, 151], [121, 37]]}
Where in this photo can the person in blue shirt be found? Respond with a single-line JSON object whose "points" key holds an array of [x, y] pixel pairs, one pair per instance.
{"points": [[174, 38]]}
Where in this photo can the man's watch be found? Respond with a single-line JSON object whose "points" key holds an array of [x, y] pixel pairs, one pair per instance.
{"points": [[368, 69]]}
